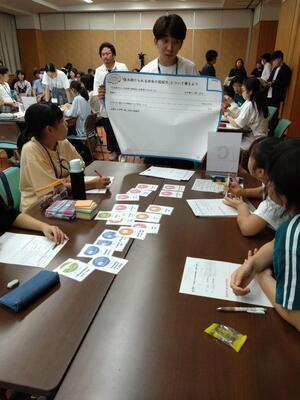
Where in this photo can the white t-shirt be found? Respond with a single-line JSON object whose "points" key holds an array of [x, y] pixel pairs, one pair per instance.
{"points": [[266, 71], [80, 110], [99, 78], [5, 92], [272, 213], [270, 91], [60, 81], [250, 118], [184, 67]]}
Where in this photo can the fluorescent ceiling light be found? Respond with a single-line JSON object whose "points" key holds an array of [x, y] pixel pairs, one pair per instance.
{"points": [[88, 1]]}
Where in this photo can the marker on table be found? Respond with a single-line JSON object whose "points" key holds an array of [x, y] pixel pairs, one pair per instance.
{"points": [[228, 185], [251, 310]]}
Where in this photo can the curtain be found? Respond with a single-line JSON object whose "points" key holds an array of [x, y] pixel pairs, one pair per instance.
{"points": [[9, 48]]}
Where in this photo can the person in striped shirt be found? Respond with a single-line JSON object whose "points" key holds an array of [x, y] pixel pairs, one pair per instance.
{"points": [[282, 285]]}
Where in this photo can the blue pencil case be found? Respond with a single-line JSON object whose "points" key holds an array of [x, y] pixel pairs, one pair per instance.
{"points": [[29, 291]]}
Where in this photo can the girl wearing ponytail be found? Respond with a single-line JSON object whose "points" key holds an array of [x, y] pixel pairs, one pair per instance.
{"points": [[253, 113], [45, 153]]}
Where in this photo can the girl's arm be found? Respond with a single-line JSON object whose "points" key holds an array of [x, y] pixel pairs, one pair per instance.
{"points": [[25, 221], [47, 93], [268, 285], [249, 224]]}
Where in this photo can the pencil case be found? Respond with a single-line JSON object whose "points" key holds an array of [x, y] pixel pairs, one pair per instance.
{"points": [[30, 290]]}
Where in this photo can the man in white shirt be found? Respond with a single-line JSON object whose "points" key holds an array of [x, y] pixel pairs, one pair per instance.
{"points": [[169, 33], [107, 53], [57, 83]]}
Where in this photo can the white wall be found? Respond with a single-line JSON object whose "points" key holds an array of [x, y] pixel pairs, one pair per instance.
{"points": [[204, 19]]}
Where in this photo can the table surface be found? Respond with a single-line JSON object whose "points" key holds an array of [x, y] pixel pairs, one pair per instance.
{"points": [[38, 344], [9, 132], [147, 340]]}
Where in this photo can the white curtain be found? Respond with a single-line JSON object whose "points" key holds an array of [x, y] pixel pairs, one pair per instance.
{"points": [[9, 48]]}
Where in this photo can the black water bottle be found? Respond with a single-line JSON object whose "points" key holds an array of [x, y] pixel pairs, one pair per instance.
{"points": [[77, 179]]}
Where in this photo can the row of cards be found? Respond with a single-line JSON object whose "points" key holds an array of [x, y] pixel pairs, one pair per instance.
{"points": [[143, 189]]}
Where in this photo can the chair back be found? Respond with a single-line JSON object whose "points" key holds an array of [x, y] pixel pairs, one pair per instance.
{"points": [[281, 127], [272, 111], [9, 187], [90, 125]]}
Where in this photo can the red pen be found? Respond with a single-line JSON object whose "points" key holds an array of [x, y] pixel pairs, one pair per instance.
{"points": [[97, 173]]}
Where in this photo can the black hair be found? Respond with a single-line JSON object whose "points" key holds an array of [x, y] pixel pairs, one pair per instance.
{"points": [[172, 25], [257, 96], [90, 71], [68, 66], [284, 171], [237, 80], [109, 46], [211, 55], [239, 59], [277, 54], [50, 67], [36, 71], [88, 81], [20, 72], [37, 117], [3, 70], [80, 89], [228, 90], [261, 149], [74, 70], [266, 56]]}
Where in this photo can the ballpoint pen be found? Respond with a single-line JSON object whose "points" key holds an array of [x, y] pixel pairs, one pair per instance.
{"points": [[251, 310]]}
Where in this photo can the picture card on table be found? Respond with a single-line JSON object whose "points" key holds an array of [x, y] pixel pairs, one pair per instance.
{"points": [[110, 264], [125, 207], [74, 269], [121, 218], [170, 193], [93, 250], [147, 217], [209, 278], [139, 192], [148, 226], [154, 208], [147, 186], [133, 233], [127, 197], [109, 239], [173, 188]]}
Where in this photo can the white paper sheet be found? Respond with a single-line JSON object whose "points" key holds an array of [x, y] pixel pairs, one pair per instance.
{"points": [[113, 265], [168, 173], [211, 208], [98, 191], [223, 151], [207, 185], [209, 278], [74, 269], [150, 114], [154, 208], [27, 250]]}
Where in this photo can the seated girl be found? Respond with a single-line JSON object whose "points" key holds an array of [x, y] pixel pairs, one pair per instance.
{"points": [[268, 212], [22, 87], [253, 113], [45, 153], [283, 287], [11, 217]]}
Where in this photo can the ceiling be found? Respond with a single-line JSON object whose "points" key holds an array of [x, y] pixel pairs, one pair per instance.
{"points": [[27, 7]]}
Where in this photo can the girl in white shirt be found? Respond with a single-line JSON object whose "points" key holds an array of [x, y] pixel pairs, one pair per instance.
{"points": [[253, 113], [268, 212], [8, 104]]}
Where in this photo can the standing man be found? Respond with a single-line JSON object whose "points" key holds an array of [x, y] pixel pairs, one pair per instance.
{"points": [[277, 84], [107, 53], [211, 59]]}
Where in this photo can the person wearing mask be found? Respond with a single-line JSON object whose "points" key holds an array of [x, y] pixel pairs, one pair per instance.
{"points": [[8, 103], [211, 59], [57, 85], [107, 53]]}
